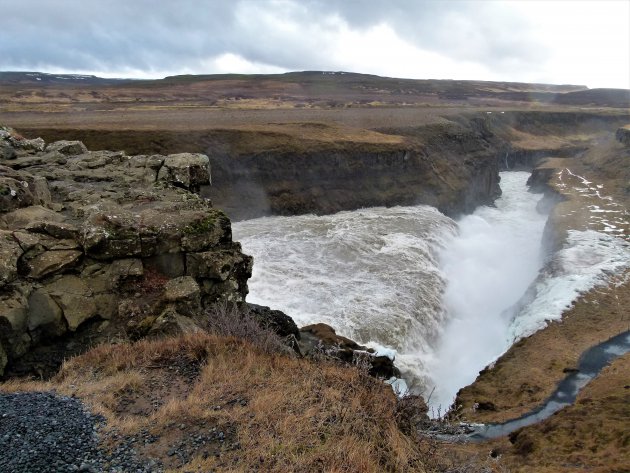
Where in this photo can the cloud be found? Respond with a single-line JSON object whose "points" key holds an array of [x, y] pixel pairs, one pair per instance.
{"points": [[413, 38]]}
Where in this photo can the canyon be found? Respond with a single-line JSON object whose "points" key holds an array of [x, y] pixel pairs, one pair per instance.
{"points": [[105, 220]]}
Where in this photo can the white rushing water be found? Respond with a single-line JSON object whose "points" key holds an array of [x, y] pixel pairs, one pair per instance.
{"points": [[446, 299], [489, 265], [372, 274]]}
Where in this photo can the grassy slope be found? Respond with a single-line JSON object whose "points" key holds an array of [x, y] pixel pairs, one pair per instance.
{"points": [[592, 435], [279, 413]]}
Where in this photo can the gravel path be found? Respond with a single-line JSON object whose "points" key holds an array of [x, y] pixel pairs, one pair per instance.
{"points": [[43, 432]]}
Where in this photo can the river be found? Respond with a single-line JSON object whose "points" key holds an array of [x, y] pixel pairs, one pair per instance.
{"points": [[444, 298]]}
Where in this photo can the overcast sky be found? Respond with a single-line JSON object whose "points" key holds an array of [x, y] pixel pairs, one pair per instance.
{"points": [[565, 41]]}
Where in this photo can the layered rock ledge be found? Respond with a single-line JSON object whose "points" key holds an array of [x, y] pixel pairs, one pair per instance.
{"points": [[98, 245]]}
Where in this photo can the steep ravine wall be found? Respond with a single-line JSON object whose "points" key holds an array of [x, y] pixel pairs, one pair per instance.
{"points": [[588, 192], [451, 167], [322, 168]]}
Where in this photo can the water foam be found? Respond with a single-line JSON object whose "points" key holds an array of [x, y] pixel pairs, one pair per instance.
{"points": [[588, 259], [489, 264], [379, 276], [500, 289], [372, 274]]}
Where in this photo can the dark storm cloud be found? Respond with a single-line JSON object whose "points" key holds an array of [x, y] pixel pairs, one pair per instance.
{"points": [[152, 35], [112, 34]]}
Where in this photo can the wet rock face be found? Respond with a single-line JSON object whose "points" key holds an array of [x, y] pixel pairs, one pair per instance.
{"points": [[100, 245], [623, 135], [454, 170], [323, 338], [276, 320]]}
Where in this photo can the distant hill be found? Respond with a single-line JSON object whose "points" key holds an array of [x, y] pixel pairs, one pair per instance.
{"points": [[600, 97], [42, 78], [310, 89], [352, 80]]}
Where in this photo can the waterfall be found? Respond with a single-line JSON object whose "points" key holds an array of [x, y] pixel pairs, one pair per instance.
{"points": [[444, 298]]}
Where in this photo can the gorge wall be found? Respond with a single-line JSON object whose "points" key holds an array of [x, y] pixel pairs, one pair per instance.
{"points": [[322, 177], [297, 168]]}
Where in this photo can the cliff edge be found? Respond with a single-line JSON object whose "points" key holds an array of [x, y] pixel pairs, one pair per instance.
{"points": [[98, 245]]}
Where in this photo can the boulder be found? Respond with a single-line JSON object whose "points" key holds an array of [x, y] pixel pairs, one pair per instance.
{"points": [[214, 264], [180, 289], [51, 262], [184, 294], [35, 214], [316, 337], [187, 170], [110, 235], [33, 145], [171, 323], [124, 268], [383, 367], [10, 252], [60, 230], [145, 167], [69, 148], [328, 337], [45, 317], [206, 232], [75, 299], [17, 191], [213, 290], [275, 320]]}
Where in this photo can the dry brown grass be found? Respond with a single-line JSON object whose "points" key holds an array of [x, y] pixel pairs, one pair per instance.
{"points": [[289, 415], [592, 435]]}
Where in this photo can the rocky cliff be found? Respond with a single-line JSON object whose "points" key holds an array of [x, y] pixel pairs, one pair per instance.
{"points": [[98, 246], [452, 165], [453, 170], [451, 162], [101, 245]]}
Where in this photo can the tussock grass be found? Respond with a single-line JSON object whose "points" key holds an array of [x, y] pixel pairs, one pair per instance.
{"points": [[291, 414]]}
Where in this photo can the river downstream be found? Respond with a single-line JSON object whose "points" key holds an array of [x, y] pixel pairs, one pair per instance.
{"points": [[444, 298]]}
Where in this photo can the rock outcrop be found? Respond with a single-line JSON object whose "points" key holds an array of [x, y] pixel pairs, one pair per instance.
{"points": [[99, 245], [623, 135], [322, 339]]}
